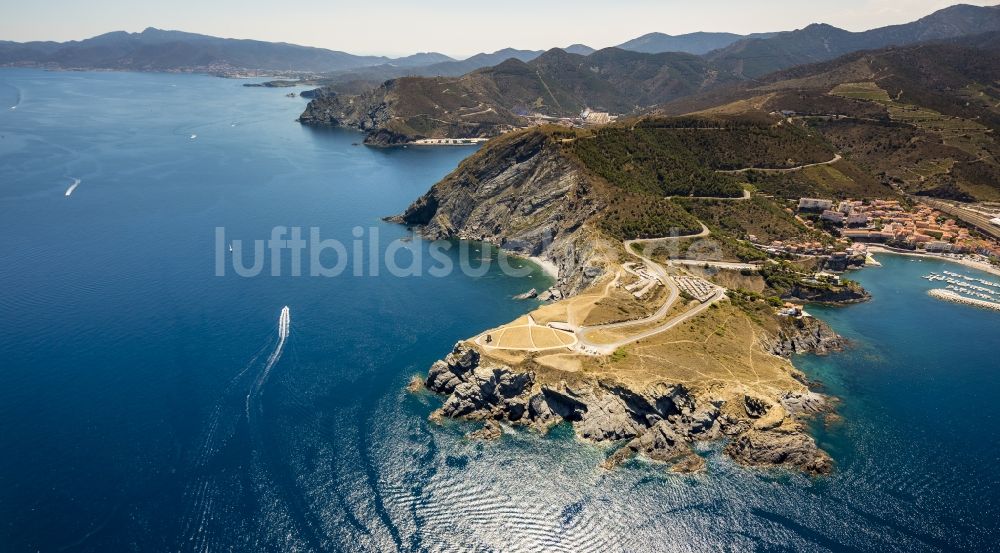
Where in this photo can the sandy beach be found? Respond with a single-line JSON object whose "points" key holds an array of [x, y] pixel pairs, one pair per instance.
{"points": [[547, 266]]}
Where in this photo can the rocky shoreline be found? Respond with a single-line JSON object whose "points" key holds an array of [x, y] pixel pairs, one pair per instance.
{"points": [[839, 295], [536, 207], [802, 335], [400, 111], [660, 423]]}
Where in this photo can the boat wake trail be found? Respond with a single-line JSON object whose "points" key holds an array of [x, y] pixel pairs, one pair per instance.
{"points": [[72, 187], [214, 491], [284, 321], [18, 99]]}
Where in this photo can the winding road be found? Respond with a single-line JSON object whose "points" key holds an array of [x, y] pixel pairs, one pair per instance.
{"points": [[835, 159], [657, 270]]}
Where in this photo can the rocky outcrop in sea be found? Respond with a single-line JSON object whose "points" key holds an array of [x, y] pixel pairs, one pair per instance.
{"points": [[802, 335]]}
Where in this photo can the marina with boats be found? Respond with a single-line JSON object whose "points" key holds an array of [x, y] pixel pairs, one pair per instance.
{"points": [[966, 289]]}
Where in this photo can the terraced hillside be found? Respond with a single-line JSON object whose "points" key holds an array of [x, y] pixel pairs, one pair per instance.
{"points": [[923, 118], [548, 188]]}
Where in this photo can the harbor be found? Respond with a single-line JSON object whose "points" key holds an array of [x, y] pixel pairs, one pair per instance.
{"points": [[965, 289], [952, 296]]}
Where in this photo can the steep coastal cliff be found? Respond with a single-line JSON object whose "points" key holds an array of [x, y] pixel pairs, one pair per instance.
{"points": [[525, 195], [805, 335], [834, 295]]}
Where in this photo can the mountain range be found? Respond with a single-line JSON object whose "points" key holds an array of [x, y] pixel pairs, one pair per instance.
{"points": [[692, 43], [486, 101], [745, 56], [557, 83], [754, 57], [163, 50], [159, 50]]}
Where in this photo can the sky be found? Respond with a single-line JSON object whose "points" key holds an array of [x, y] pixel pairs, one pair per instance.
{"points": [[456, 28]]}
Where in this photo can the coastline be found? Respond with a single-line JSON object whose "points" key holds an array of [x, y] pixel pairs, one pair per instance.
{"points": [[447, 142], [979, 266], [549, 268]]}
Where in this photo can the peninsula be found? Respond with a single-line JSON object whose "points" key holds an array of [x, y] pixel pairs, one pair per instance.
{"points": [[644, 351]]}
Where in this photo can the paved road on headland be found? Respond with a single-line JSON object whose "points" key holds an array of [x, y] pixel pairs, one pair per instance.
{"points": [[661, 273], [717, 264]]}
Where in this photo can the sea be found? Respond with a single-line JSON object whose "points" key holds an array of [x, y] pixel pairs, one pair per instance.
{"points": [[152, 400]]}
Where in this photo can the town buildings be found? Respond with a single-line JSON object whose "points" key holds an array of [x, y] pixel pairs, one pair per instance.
{"points": [[888, 222]]}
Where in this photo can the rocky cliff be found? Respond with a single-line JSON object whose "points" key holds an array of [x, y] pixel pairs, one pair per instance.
{"points": [[834, 295], [368, 112], [407, 109], [659, 423], [805, 335], [522, 194]]}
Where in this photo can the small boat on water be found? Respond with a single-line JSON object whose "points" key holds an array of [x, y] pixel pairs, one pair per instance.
{"points": [[230, 246], [193, 136]]}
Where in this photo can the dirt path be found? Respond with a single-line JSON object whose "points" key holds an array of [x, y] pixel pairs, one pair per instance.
{"points": [[835, 159]]}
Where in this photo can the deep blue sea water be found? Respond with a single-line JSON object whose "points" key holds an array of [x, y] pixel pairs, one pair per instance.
{"points": [[126, 365]]}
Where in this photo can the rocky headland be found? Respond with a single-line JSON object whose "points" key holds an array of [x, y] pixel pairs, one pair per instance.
{"points": [[833, 295], [660, 422], [722, 375], [407, 109]]}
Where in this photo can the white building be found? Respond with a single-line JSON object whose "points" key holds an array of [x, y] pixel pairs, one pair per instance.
{"points": [[814, 204], [832, 216], [938, 246], [596, 117]]}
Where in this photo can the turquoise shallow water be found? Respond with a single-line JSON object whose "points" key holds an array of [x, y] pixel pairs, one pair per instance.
{"points": [[125, 365]]}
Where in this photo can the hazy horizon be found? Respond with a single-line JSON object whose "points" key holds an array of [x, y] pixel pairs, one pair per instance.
{"points": [[458, 29]]}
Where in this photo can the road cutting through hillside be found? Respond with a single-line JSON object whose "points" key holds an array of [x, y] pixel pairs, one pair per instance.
{"points": [[835, 159], [589, 346], [525, 334]]}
